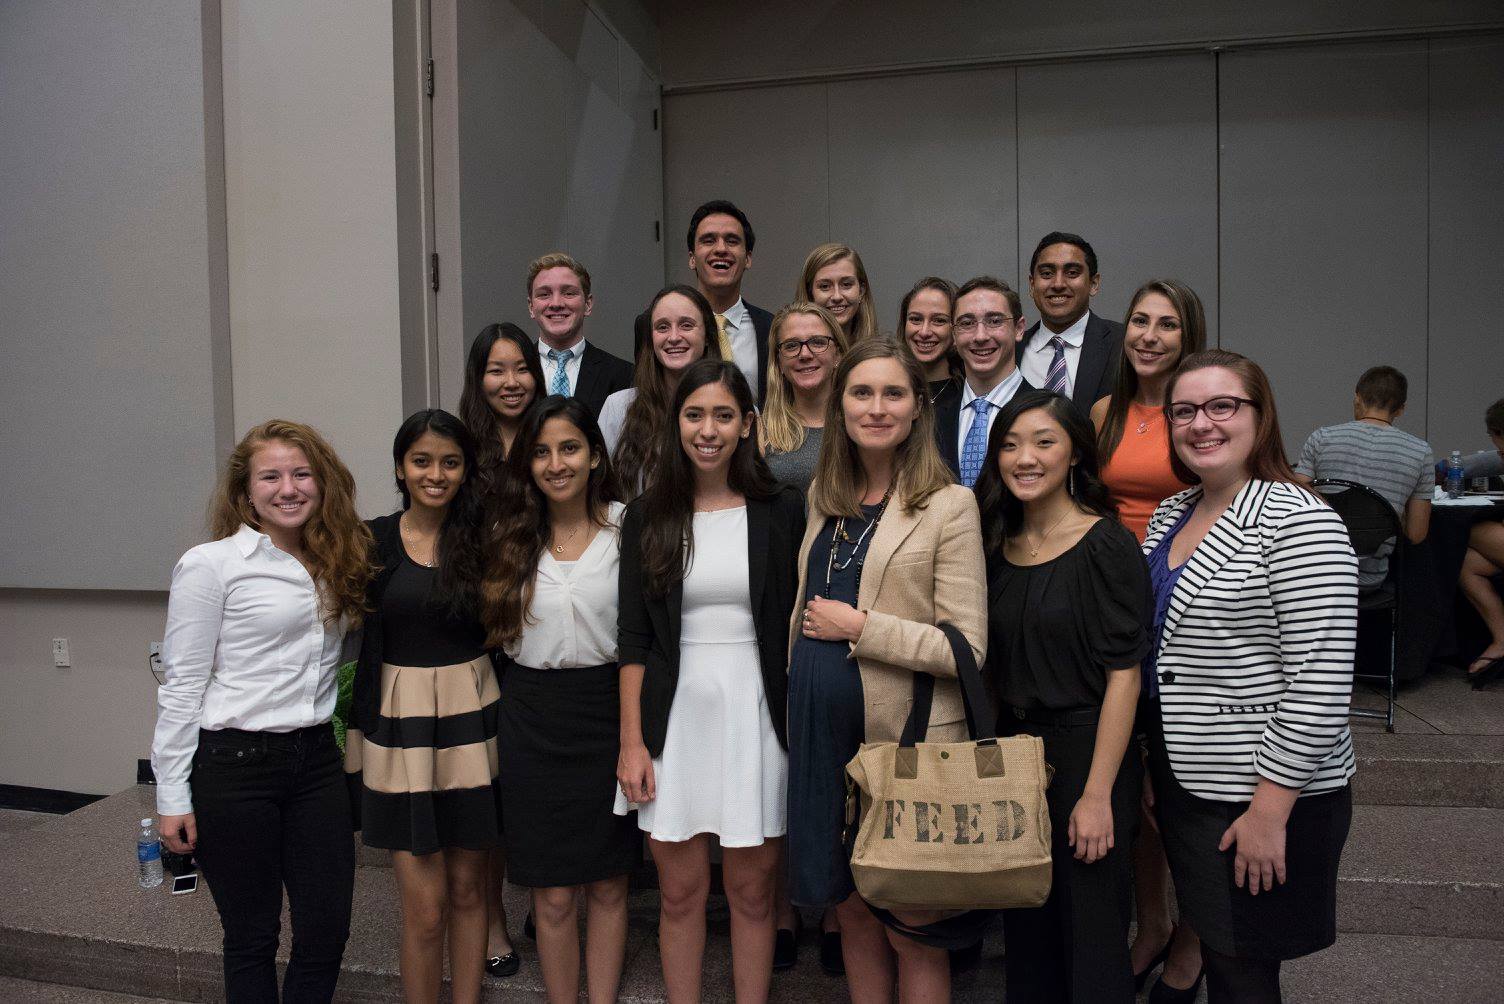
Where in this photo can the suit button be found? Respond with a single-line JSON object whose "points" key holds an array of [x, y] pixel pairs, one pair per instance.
{"points": [[1167, 677]]}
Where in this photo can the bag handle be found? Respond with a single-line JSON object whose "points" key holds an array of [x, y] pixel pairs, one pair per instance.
{"points": [[981, 723]]}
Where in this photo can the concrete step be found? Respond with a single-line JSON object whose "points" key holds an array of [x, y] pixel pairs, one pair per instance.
{"points": [[1419, 769], [1397, 969], [55, 993], [1423, 871]]}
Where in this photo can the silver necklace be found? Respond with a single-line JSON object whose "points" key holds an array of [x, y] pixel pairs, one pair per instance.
{"points": [[414, 539]]}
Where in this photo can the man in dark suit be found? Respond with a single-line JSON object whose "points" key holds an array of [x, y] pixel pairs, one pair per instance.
{"points": [[988, 323], [720, 241], [1071, 350], [559, 300]]}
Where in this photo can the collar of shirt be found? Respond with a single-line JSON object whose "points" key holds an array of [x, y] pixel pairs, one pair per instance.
{"points": [[1072, 336], [736, 315], [248, 538], [576, 351], [997, 396]]}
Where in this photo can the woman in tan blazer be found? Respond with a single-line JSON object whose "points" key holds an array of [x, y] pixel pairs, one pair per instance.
{"points": [[893, 547]]}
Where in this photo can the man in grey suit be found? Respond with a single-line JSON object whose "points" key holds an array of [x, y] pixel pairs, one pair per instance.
{"points": [[1071, 350]]}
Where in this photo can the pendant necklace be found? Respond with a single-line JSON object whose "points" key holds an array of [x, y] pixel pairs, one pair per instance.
{"points": [[559, 547], [413, 538], [1034, 551], [841, 536]]}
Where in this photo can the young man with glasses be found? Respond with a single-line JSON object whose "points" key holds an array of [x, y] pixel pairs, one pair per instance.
{"points": [[987, 327]]}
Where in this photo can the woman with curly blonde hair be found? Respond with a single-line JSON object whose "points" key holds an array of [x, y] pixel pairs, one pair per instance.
{"points": [[248, 774], [835, 278]]}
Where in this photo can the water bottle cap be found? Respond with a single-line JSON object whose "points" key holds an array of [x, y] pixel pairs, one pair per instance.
{"points": [[146, 822]]}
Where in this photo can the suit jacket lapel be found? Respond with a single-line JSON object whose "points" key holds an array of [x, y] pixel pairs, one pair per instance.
{"points": [[1216, 549], [892, 531], [590, 374], [1090, 365]]}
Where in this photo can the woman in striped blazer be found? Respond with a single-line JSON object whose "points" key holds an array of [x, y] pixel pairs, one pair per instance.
{"points": [[1256, 617]]}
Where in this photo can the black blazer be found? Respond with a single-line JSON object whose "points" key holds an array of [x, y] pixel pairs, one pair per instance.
{"points": [[648, 627], [948, 422], [762, 323], [601, 375], [1101, 351]]}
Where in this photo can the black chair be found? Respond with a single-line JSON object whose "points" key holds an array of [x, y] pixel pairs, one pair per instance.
{"points": [[1371, 524]]}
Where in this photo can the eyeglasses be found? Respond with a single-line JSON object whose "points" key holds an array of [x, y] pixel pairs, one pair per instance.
{"points": [[816, 344], [992, 322], [1218, 409]]}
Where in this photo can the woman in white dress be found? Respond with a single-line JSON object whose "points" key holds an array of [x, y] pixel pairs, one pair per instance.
{"points": [[682, 331], [708, 583]]}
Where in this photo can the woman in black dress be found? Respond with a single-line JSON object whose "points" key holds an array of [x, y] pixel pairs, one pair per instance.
{"points": [[1068, 613], [423, 740]]}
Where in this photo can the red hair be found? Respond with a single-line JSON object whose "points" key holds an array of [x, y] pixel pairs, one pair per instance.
{"points": [[1266, 460]]}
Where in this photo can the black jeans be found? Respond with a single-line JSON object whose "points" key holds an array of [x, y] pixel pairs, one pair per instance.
{"points": [[272, 811]]}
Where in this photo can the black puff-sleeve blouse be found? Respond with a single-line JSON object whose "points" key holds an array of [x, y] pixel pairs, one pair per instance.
{"points": [[1055, 629]]}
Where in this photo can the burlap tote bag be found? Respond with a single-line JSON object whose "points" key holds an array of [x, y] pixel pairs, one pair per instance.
{"points": [[950, 826]]}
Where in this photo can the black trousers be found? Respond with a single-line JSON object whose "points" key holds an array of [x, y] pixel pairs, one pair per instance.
{"points": [[273, 812], [1075, 947]]}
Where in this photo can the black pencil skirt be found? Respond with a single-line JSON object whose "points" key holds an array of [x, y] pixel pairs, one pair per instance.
{"points": [[1293, 919], [558, 737]]}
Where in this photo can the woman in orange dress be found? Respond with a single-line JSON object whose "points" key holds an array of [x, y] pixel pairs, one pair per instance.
{"points": [[1165, 324]]}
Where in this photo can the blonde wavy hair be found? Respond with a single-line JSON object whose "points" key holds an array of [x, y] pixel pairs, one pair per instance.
{"points": [[864, 324], [782, 432], [336, 543], [919, 470]]}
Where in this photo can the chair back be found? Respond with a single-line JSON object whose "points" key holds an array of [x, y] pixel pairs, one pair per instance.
{"points": [[1371, 521]]}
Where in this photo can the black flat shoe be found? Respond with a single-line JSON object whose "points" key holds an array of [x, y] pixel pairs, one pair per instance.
{"points": [[529, 929], [831, 959], [1139, 979], [785, 948], [1487, 674], [503, 965], [1163, 993]]}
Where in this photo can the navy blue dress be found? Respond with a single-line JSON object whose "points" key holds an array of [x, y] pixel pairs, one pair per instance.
{"points": [[826, 727]]}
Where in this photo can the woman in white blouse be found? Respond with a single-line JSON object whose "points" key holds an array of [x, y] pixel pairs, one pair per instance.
{"points": [[550, 604], [248, 773]]}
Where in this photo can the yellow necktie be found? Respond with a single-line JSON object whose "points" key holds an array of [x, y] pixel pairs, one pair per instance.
{"points": [[725, 340]]}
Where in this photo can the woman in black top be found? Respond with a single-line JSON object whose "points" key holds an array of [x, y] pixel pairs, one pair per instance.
{"points": [[423, 743], [1068, 611]]}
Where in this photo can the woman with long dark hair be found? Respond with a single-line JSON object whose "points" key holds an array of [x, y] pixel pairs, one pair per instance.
{"points": [[925, 318], [247, 769], [1068, 607], [681, 332], [1256, 610], [707, 588], [422, 738], [550, 604], [503, 377]]}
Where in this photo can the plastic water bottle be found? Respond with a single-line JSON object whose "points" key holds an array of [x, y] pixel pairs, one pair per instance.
{"points": [[149, 855], [1454, 475]]}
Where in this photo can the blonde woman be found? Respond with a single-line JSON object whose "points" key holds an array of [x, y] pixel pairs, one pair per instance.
{"points": [[835, 278], [805, 344]]}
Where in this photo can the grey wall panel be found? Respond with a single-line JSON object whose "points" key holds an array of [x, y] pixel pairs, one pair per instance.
{"points": [[922, 178], [767, 151], [1123, 152], [1324, 222], [1467, 223], [109, 376]]}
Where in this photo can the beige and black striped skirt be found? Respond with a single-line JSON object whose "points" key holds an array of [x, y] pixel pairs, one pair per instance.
{"points": [[428, 771]]}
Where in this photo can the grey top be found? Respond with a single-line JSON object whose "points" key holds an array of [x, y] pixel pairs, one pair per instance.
{"points": [[1483, 464], [1392, 462], [798, 468]]}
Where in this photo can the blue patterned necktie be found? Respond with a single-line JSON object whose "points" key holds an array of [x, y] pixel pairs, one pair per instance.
{"points": [[560, 382], [1058, 378], [974, 450]]}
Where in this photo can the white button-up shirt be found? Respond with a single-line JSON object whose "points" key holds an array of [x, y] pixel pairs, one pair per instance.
{"points": [[743, 336], [571, 366], [1036, 358], [997, 397], [245, 648]]}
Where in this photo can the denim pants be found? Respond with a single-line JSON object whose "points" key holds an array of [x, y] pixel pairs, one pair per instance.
{"points": [[272, 812]]}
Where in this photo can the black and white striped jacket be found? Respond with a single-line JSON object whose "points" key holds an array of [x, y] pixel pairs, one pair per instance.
{"points": [[1256, 658]]}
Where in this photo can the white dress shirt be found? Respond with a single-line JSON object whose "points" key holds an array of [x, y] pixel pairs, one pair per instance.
{"points": [[1037, 356], [572, 620], [245, 648], [998, 396], [571, 366], [743, 336]]}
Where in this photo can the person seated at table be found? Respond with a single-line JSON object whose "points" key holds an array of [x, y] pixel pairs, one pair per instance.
{"points": [[1372, 452], [1484, 463], [1484, 560]]}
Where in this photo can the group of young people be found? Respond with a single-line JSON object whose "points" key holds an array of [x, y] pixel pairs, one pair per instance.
{"points": [[670, 600]]}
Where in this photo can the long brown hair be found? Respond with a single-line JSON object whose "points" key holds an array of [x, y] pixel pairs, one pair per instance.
{"points": [[779, 425], [947, 289], [637, 450], [919, 471], [1267, 460], [1125, 386], [336, 544], [864, 324], [520, 529]]}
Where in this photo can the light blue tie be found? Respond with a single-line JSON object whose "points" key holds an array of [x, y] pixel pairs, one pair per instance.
{"points": [[560, 382], [974, 450]]}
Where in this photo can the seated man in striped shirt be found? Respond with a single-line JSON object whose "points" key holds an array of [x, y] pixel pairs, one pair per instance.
{"points": [[1372, 452]]}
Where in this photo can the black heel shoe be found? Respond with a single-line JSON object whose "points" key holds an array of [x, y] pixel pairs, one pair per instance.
{"points": [[503, 965], [1487, 674], [529, 929], [1163, 993], [1139, 979]]}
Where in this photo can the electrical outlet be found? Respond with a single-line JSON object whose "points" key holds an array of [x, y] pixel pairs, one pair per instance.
{"points": [[60, 657]]}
